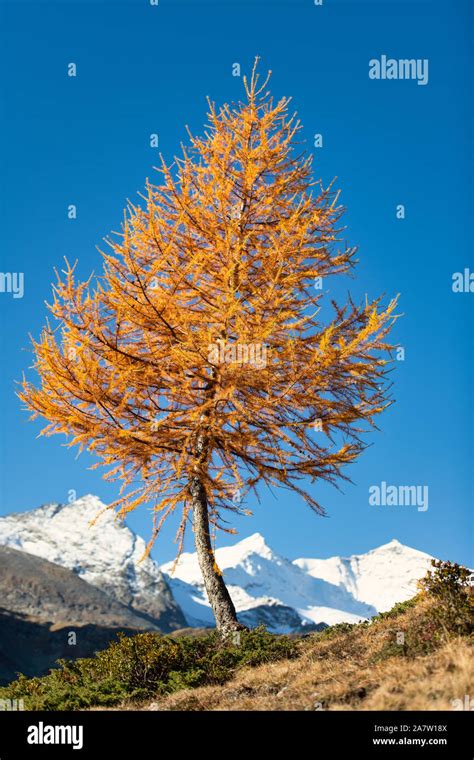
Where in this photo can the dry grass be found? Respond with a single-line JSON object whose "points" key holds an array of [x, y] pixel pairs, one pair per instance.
{"points": [[347, 671], [426, 683]]}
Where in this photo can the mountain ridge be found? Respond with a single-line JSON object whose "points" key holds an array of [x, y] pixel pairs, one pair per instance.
{"points": [[267, 588], [338, 589]]}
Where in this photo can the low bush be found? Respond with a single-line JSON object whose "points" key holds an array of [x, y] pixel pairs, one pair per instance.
{"points": [[447, 586], [144, 665], [442, 610]]}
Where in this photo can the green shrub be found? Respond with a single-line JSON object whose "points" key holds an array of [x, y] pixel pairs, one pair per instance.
{"points": [[144, 665], [420, 636], [398, 609], [336, 629], [449, 613], [447, 586]]}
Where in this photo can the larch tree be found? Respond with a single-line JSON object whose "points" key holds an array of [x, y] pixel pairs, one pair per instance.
{"points": [[196, 366]]}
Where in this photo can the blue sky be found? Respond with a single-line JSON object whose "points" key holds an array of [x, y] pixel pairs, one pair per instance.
{"points": [[143, 69]]}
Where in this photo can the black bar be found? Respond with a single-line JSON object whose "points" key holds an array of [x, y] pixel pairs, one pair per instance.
{"points": [[312, 734]]}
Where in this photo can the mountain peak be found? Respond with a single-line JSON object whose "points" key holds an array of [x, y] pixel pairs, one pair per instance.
{"points": [[255, 542], [104, 552], [392, 542], [87, 503], [395, 546]]}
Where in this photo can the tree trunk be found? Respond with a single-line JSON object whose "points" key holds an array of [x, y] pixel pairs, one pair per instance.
{"points": [[219, 598]]}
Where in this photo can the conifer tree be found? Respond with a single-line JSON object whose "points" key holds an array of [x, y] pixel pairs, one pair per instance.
{"points": [[198, 365]]}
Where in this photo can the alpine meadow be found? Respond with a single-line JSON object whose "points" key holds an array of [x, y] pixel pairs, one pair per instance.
{"points": [[197, 366]]}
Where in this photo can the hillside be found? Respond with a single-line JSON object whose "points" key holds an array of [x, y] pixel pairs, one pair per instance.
{"points": [[33, 647], [416, 656], [342, 672], [41, 604], [47, 592]]}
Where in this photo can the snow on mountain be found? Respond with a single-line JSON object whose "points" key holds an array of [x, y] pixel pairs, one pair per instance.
{"points": [[106, 554], [265, 587], [256, 576], [380, 577]]}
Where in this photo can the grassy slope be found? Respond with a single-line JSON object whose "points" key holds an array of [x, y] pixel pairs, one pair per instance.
{"points": [[349, 668], [417, 656], [341, 673]]}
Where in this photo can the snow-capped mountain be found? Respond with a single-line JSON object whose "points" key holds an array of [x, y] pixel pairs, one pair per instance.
{"points": [[265, 587], [320, 591], [381, 577], [106, 555]]}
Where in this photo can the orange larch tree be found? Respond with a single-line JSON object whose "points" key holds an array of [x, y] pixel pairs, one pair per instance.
{"points": [[196, 366]]}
